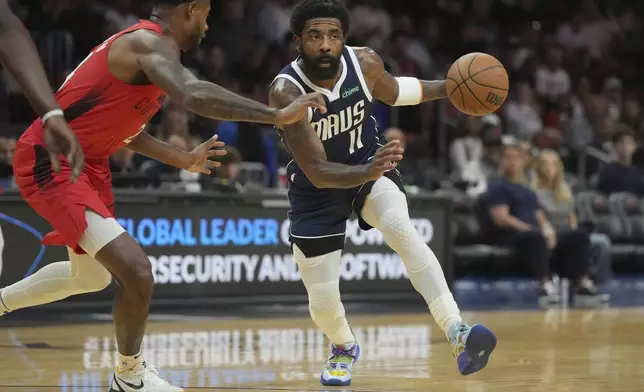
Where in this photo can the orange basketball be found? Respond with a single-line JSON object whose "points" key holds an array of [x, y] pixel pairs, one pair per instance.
{"points": [[477, 84]]}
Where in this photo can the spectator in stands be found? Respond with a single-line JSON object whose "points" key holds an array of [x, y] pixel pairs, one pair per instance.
{"points": [[612, 91], [580, 132], [556, 198], [522, 225], [225, 178], [552, 80], [7, 146], [469, 146], [621, 175], [159, 173], [522, 114], [632, 116], [407, 167], [371, 24], [479, 173]]}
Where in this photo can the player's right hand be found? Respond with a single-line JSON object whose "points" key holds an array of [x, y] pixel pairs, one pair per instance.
{"points": [[299, 108], [386, 158], [60, 139]]}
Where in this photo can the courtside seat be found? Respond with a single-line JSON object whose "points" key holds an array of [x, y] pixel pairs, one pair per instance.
{"points": [[630, 210], [470, 253]]}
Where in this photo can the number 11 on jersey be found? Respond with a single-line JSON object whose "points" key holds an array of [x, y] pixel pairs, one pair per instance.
{"points": [[356, 140]]}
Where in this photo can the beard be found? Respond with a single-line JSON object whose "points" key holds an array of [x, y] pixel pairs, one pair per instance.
{"points": [[322, 67]]}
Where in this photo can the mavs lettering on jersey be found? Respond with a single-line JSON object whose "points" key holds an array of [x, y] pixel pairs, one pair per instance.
{"points": [[347, 130], [349, 119]]}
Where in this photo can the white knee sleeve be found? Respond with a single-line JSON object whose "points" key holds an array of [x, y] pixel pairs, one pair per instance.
{"points": [[321, 277], [100, 232], [89, 274], [386, 210], [56, 281]]}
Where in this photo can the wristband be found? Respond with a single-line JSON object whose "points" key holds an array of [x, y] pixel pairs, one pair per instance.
{"points": [[410, 91], [50, 114]]}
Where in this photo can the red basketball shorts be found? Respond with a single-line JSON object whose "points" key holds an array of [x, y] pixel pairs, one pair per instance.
{"points": [[56, 199]]}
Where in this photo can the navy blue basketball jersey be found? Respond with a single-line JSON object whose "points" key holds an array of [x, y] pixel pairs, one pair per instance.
{"points": [[348, 130]]}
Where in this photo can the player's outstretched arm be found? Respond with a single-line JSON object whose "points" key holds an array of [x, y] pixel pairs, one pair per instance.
{"points": [[197, 160], [19, 55], [399, 91], [160, 61], [308, 151]]}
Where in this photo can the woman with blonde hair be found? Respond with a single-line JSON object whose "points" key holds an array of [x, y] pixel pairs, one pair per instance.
{"points": [[556, 199]]}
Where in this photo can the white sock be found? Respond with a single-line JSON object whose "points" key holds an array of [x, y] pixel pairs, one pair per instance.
{"points": [[321, 277], [129, 362], [56, 281], [386, 209]]}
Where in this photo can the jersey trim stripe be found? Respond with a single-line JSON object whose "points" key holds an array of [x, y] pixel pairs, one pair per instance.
{"points": [[296, 83], [356, 66], [332, 95], [319, 236]]}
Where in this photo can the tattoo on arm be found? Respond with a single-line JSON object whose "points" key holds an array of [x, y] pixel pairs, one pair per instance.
{"points": [[160, 61], [307, 148], [385, 86]]}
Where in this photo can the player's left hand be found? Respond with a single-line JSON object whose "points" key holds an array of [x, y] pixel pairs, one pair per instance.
{"points": [[200, 156]]}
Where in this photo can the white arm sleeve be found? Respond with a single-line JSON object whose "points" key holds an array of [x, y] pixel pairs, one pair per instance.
{"points": [[410, 91]]}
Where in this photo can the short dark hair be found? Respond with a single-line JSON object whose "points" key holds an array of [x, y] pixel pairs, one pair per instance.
{"points": [[306, 10], [621, 133], [170, 3]]}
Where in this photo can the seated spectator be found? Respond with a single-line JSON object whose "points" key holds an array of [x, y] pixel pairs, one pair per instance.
{"points": [[521, 224], [523, 117], [225, 177], [479, 173], [158, 172], [468, 147], [406, 167], [7, 147], [555, 197], [552, 80], [633, 117], [621, 175]]}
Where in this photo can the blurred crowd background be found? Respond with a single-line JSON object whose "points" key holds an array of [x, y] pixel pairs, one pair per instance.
{"points": [[573, 67], [566, 140]]}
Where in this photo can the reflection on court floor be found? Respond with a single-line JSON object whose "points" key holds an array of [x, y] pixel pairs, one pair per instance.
{"points": [[559, 350]]}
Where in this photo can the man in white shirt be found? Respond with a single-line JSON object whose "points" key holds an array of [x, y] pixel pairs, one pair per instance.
{"points": [[552, 80]]}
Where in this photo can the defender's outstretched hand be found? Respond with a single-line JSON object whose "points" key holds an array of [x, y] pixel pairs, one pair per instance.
{"points": [[201, 162], [298, 109]]}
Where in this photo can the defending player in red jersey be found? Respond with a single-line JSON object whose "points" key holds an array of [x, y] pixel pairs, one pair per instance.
{"points": [[108, 100]]}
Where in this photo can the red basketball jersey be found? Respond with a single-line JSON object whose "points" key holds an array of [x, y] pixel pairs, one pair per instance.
{"points": [[104, 112]]}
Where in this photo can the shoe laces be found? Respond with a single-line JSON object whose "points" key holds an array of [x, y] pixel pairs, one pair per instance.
{"points": [[338, 352]]}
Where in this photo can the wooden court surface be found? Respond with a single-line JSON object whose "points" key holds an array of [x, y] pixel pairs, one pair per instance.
{"points": [[549, 351]]}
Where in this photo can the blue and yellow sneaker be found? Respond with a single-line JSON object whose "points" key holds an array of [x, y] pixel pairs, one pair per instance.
{"points": [[471, 346], [338, 368]]}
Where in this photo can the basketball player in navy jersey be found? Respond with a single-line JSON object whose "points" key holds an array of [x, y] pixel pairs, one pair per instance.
{"points": [[340, 166]]}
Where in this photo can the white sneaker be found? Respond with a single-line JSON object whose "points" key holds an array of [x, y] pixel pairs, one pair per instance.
{"points": [[145, 379]]}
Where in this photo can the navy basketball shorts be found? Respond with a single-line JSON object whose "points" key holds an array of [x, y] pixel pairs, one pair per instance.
{"points": [[319, 216]]}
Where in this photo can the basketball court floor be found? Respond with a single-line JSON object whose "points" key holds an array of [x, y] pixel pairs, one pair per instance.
{"points": [[551, 351]]}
